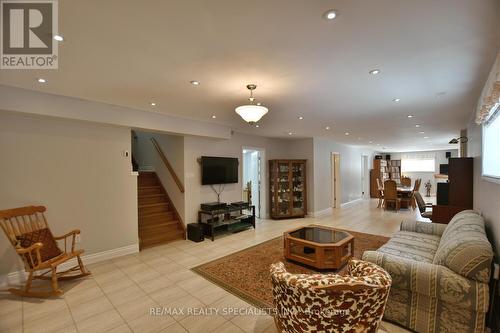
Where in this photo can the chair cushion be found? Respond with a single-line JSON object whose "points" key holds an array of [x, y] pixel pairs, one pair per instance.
{"points": [[464, 247], [49, 249], [412, 245]]}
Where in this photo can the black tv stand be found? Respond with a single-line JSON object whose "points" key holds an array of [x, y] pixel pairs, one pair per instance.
{"points": [[233, 218]]}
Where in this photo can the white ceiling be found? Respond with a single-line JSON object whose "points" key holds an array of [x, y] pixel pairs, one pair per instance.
{"points": [[434, 55]]}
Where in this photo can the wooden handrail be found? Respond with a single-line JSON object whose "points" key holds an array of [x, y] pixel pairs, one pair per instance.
{"points": [[168, 165]]}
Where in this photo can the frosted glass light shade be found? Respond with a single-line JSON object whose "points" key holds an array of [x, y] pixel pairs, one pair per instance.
{"points": [[251, 113]]}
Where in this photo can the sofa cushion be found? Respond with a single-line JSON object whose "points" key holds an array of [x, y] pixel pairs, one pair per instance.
{"points": [[412, 245], [464, 247]]}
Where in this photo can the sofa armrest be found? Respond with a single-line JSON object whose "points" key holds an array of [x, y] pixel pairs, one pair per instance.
{"points": [[423, 227], [431, 280]]}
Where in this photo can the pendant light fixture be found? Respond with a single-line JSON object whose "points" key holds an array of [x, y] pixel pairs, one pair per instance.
{"points": [[251, 113]]}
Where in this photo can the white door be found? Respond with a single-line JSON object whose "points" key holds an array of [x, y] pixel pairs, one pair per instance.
{"points": [[335, 163], [364, 175]]}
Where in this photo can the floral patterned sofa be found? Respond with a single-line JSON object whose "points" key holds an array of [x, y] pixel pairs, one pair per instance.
{"points": [[440, 274], [310, 303]]}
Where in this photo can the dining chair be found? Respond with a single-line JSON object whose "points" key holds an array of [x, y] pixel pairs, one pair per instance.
{"points": [[422, 206], [418, 181], [391, 195], [406, 181], [409, 199], [380, 188]]}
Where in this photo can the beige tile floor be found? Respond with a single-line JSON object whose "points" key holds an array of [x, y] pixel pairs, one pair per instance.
{"points": [[120, 293]]}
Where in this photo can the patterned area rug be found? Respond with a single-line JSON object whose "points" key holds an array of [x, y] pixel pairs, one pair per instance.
{"points": [[246, 273]]}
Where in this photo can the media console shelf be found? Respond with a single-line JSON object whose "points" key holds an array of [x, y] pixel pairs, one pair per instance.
{"points": [[229, 219]]}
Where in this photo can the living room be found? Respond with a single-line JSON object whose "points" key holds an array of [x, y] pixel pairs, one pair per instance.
{"points": [[136, 139]]}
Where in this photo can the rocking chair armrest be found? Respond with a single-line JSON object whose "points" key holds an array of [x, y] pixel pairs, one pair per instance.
{"points": [[33, 252], [72, 232], [73, 239]]}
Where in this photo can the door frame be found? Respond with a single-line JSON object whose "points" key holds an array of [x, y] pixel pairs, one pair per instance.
{"points": [[335, 175], [263, 176], [365, 175]]}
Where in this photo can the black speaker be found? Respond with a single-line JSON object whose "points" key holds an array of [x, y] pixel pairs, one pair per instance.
{"points": [[388, 157], [195, 232], [378, 157], [448, 154], [442, 194]]}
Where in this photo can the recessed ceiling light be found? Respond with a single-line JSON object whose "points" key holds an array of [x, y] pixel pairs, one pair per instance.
{"points": [[426, 137], [257, 126], [422, 132], [327, 128], [59, 38], [290, 133], [417, 125], [410, 116], [370, 141], [41, 80], [214, 116], [374, 71], [195, 83], [346, 133], [152, 103], [396, 100], [330, 14], [301, 118], [259, 103]]}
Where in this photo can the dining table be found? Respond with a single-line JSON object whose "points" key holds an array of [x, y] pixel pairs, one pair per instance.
{"points": [[404, 191]]}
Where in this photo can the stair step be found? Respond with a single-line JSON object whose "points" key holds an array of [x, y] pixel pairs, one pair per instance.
{"points": [[154, 230], [149, 190], [160, 239], [158, 224], [169, 215], [152, 198], [154, 208], [161, 224]]}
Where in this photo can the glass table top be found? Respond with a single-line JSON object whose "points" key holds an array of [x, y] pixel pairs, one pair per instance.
{"points": [[319, 235]]}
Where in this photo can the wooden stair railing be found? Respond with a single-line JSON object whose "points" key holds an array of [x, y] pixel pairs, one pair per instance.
{"points": [[168, 165]]}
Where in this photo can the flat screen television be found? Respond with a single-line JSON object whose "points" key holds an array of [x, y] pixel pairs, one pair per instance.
{"points": [[219, 170], [443, 169]]}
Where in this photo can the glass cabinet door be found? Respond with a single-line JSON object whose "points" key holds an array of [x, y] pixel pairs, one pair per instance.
{"points": [[298, 183], [283, 188], [273, 169]]}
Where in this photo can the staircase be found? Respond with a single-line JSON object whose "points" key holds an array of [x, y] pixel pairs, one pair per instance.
{"points": [[159, 222]]}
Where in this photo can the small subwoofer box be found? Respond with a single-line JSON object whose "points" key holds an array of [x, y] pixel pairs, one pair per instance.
{"points": [[195, 232]]}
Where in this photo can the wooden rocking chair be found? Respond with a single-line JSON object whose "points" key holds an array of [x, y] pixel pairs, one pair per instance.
{"points": [[29, 233]]}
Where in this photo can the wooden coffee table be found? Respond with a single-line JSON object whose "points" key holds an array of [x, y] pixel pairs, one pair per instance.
{"points": [[319, 246]]}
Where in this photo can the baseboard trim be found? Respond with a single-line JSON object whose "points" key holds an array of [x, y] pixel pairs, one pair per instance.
{"points": [[20, 276], [347, 204], [321, 213]]}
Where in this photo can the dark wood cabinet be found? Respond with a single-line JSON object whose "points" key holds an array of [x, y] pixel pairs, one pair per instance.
{"points": [[287, 188], [457, 194]]}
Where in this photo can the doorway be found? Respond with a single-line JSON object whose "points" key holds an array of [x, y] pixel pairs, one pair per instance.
{"points": [[252, 179], [336, 198], [364, 176]]}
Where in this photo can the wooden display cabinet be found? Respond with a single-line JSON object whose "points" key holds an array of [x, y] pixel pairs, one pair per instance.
{"points": [[287, 188]]}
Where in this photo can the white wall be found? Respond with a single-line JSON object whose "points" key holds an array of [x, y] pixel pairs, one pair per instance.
{"points": [[76, 169], [39, 103], [425, 176], [486, 193], [148, 159], [350, 171], [195, 147]]}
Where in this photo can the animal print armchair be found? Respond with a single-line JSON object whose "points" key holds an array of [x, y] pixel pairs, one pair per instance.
{"points": [[330, 302]]}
